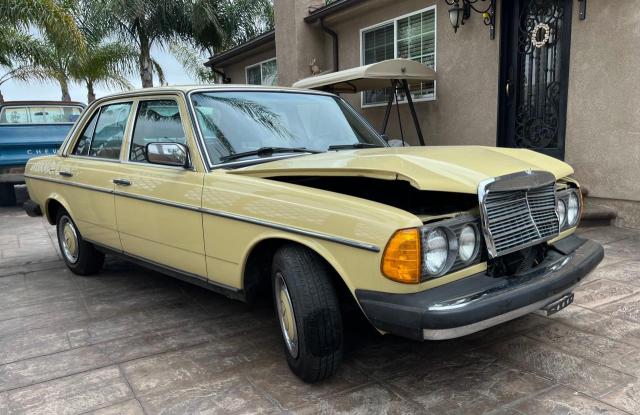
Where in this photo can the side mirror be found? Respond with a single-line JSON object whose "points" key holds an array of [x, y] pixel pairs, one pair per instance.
{"points": [[168, 154]]}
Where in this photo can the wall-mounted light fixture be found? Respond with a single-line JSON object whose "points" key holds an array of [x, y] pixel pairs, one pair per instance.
{"points": [[582, 10], [459, 13]]}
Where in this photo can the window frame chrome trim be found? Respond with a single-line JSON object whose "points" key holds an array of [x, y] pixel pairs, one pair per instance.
{"points": [[127, 155]]}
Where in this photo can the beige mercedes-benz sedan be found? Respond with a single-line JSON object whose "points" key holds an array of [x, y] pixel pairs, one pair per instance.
{"points": [[291, 193]]}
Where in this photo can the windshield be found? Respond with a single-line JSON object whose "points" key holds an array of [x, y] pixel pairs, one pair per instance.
{"points": [[245, 121]]}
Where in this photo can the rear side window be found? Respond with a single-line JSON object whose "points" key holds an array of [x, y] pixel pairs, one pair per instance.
{"points": [[39, 115], [83, 143], [157, 122], [107, 138]]}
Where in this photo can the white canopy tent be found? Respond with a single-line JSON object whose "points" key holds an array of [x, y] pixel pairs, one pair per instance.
{"points": [[400, 74]]}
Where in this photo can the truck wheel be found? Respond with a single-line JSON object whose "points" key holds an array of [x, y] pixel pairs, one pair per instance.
{"points": [[7, 194], [81, 257], [309, 313]]}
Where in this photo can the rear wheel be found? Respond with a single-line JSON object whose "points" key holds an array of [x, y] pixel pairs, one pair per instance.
{"points": [[7, 194], [81, 257], [309, 313]]}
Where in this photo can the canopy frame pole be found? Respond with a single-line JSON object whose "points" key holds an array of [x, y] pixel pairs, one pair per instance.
{"points": [[387, 110], [405, 85]]}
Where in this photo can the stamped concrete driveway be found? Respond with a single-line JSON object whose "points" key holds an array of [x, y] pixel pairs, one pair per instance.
{"points": [[132, 341]]}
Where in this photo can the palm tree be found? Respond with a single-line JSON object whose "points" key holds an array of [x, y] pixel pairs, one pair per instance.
{"points": [[148, 23], [237, 21], [106, 64], [50, 16], [17, 50]]}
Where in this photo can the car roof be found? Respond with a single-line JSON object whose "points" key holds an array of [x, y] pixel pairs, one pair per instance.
{"points": [[206, 87]]}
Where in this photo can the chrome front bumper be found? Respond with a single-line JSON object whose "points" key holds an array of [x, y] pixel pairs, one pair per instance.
{"points": [[481, 301]]}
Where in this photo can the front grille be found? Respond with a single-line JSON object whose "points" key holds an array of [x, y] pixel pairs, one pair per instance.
{"points": [[514, 219]]}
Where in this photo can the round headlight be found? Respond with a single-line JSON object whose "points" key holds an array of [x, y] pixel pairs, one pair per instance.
{"points": [[467, 243], [573, 209], [561, 208], [436, 251]]}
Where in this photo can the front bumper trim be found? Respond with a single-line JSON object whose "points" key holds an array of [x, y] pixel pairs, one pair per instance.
{"points": [[481, 301], [452, 333]]}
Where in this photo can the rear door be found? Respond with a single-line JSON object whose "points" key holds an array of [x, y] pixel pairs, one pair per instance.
{"points": [[157, 207], [89, 170]]}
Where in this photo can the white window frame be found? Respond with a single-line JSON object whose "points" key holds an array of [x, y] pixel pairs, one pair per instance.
{"points": [[246, 69], [395, 51]]}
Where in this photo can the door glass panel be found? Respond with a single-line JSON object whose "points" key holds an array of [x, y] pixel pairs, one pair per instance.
{"points": [[83, 143], [538, 93], [109, 132], [156, 122]]}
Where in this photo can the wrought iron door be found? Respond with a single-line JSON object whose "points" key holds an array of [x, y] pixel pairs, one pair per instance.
{"points": [[534, 74]]}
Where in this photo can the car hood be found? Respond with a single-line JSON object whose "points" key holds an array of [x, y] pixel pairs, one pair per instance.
{"points": [[441, 168]]}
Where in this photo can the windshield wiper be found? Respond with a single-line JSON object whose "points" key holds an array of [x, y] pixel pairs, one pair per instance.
{"points": [[354, 145], [266, 151]]}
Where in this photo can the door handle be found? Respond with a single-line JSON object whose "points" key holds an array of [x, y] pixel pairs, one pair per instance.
{"points": [[507, 89], [65, 173], [122, 182]]}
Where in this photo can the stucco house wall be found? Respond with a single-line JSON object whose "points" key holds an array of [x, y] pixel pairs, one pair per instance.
{"points": [[603, 114]]}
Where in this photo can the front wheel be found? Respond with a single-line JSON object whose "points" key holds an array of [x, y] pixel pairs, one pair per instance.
{"points": [[308, 311], [81, 257]]}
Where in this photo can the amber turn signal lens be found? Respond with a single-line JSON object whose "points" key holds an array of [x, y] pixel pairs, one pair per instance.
{"points": [[401, 258]]}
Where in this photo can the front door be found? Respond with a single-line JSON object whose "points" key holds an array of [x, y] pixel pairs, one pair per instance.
{"points": [[534, 76], [157, 207]]}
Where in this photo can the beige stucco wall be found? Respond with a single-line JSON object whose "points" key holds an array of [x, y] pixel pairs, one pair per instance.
{"points": [[603, 114], [236, 69], [464, 111]]}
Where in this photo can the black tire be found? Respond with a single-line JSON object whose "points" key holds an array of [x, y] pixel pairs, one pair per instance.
{"points": [[86, 259], [316, 312], [7, 194]]}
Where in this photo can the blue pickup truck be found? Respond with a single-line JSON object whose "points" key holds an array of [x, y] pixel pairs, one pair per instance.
{"points": [[29, 129]]}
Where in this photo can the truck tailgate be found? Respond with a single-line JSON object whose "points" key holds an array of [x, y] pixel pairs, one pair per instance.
{"points": [[20, 142]]}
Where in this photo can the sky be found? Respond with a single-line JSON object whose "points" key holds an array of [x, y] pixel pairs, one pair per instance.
{"points": [[173, 72]]}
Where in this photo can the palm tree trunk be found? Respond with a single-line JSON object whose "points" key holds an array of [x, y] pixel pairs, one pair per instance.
{"points": [[91, 95], [64, 86], [146, 68], [1, 97]]}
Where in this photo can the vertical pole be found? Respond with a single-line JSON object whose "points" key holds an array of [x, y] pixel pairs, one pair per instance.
{"points": [[405, 85], [389, 104]]}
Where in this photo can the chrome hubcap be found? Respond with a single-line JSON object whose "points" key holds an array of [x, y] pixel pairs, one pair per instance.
{"points": [[286, 316], [68, 237]]}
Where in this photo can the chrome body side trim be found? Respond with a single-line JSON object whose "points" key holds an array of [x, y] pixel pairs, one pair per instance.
{"points": [[304, 232], [444, 334], [227, 215], [68, 183]]}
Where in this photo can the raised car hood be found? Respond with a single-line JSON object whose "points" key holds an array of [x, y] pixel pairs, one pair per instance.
{"points": [[442, 168]]}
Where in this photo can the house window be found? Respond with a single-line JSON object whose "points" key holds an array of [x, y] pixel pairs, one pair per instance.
{"points": [[412, 36], [263, 73]]}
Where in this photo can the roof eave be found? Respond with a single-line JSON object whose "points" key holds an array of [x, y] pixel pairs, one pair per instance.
{"points": [[263, 39], [330, 9]]}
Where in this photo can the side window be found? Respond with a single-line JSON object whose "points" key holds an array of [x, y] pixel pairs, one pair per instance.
{"points": [[84, 141], [14, 115], [157, 122], [109, 131]]}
